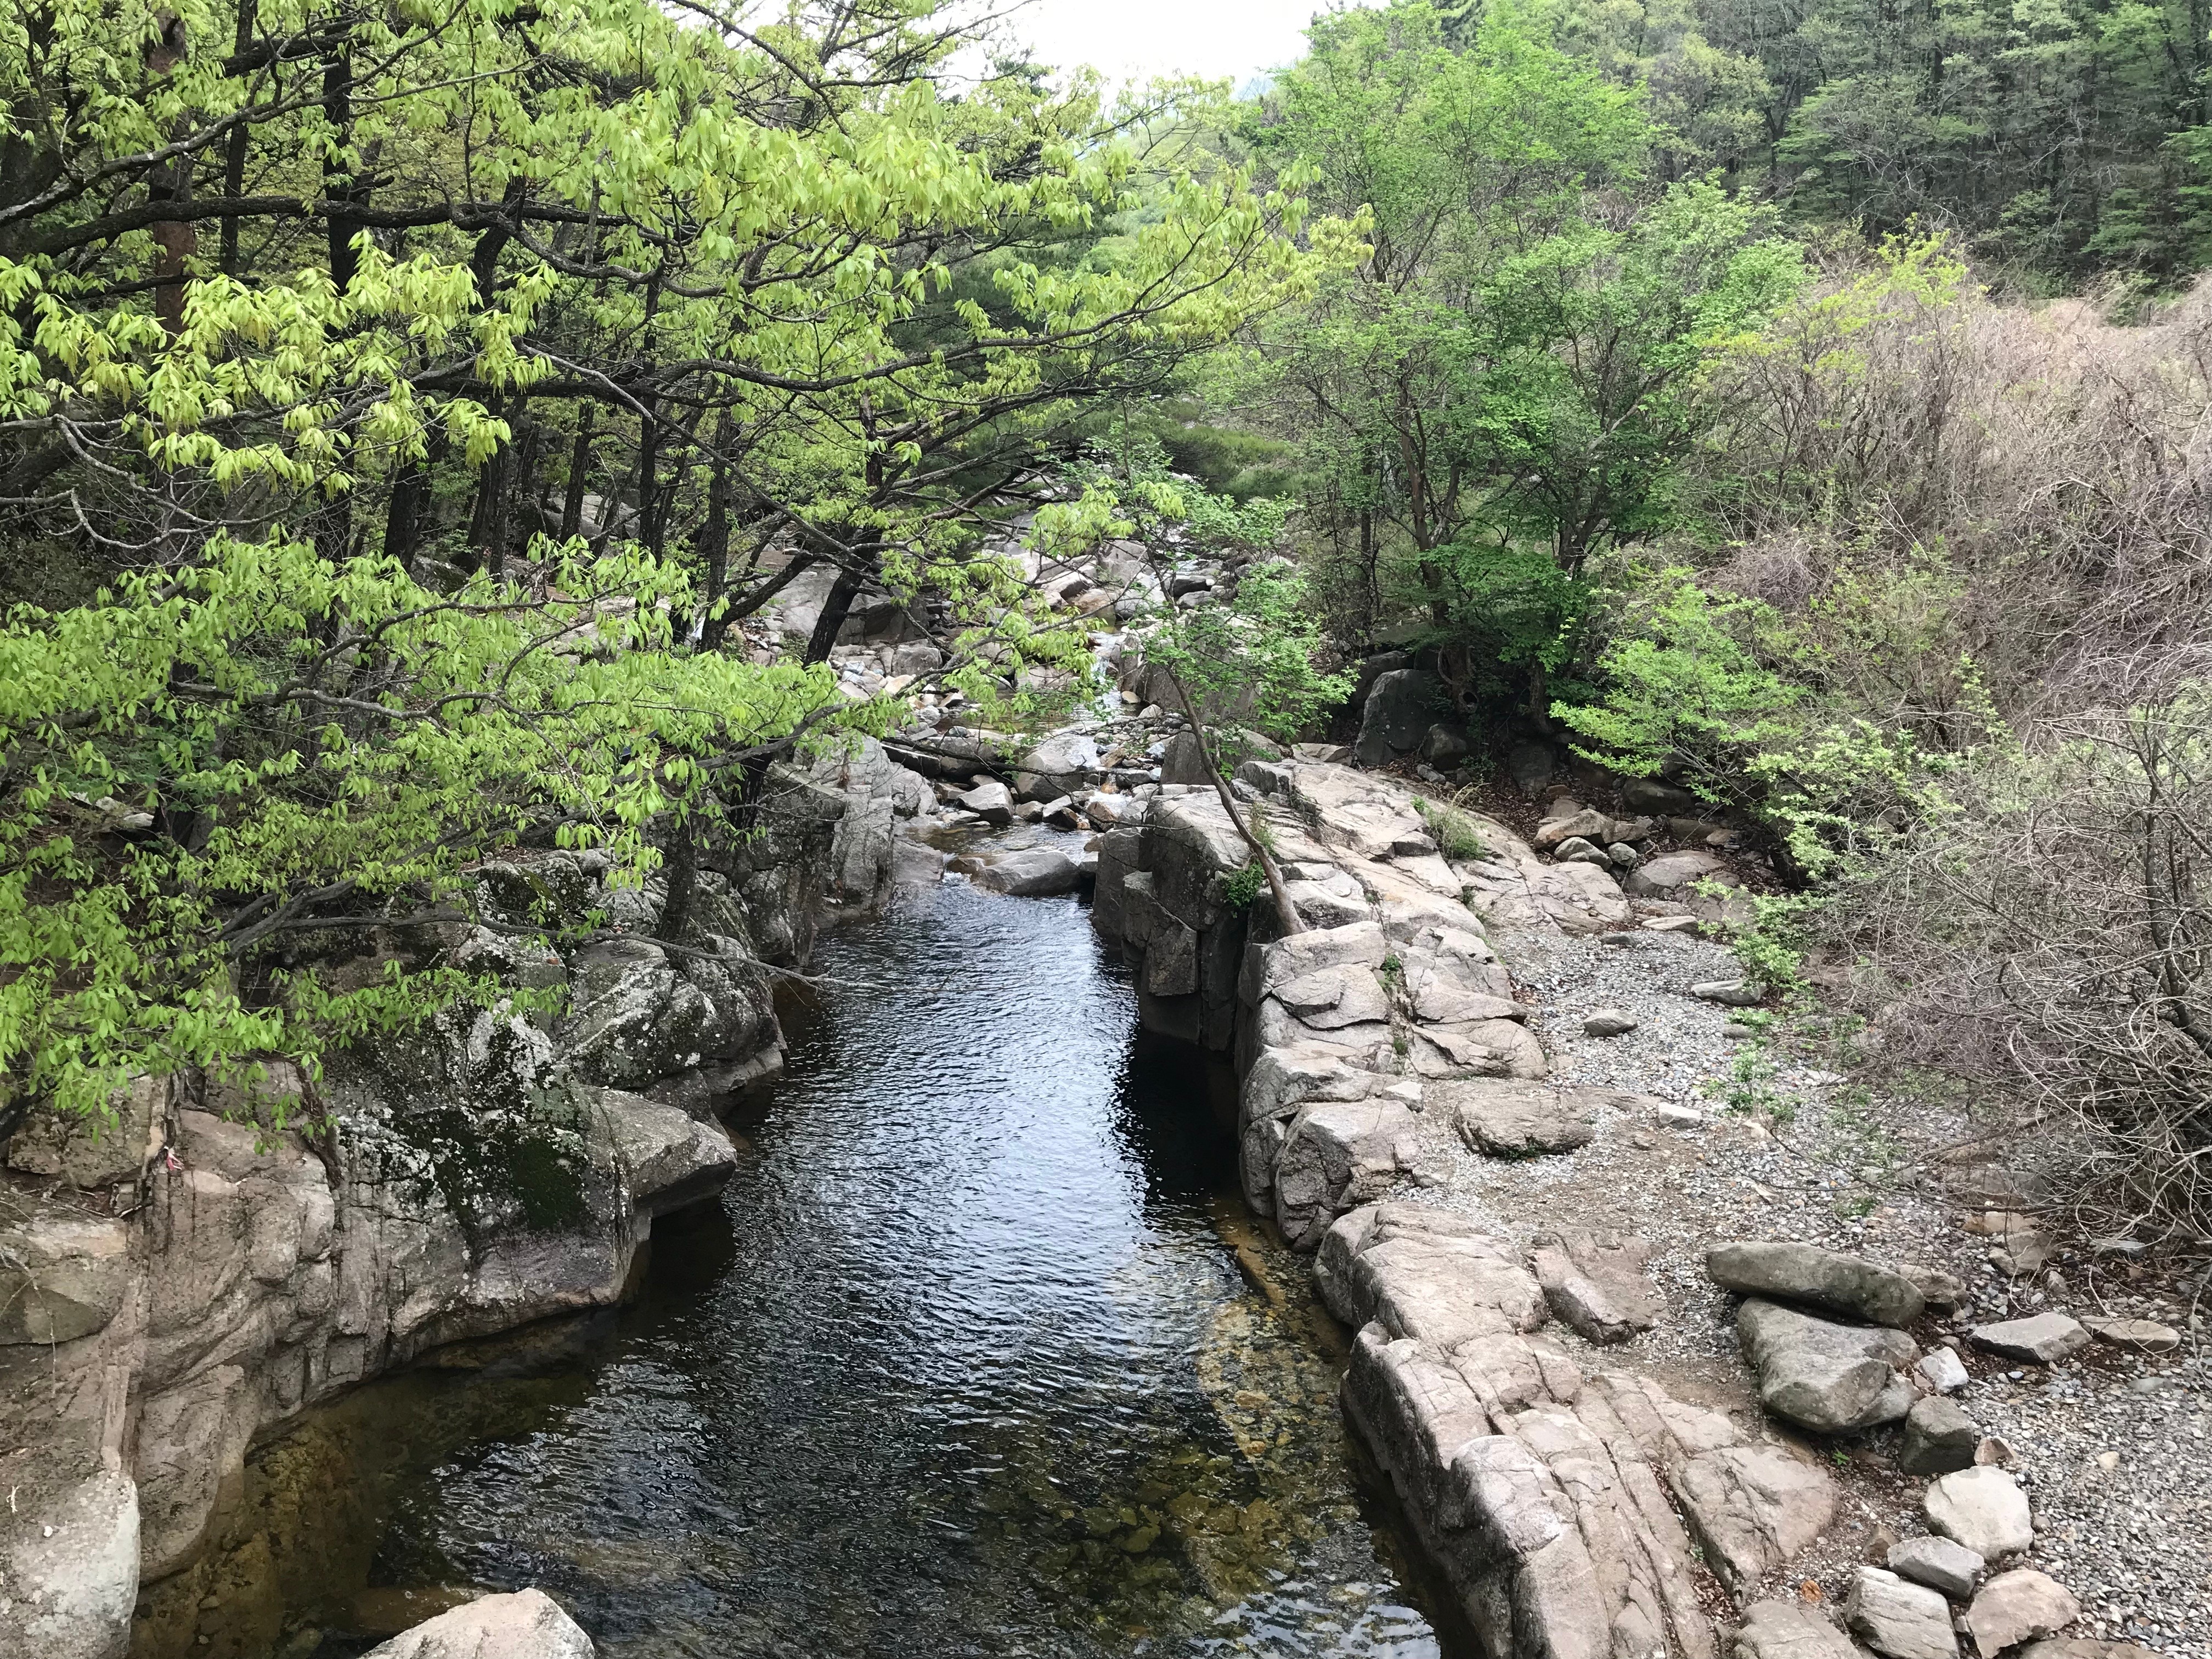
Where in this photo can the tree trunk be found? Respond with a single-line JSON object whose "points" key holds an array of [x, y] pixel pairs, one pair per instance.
{"points": [[234, 149], [832, 622], [339, 184], [683, 870], [1286, 912], [579, 472], [714, 541]]}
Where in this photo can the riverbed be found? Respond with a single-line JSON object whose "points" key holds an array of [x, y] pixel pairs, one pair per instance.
{"points": [[979, 1353]]}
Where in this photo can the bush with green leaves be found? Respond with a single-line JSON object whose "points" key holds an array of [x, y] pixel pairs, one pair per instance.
{"points": [[216, 780]]}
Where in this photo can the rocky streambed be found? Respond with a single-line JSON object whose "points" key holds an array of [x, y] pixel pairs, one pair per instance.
{"points": [[995, 1345]]}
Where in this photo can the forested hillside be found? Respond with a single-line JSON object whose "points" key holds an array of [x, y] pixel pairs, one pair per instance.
{"points": [[402, 408]]}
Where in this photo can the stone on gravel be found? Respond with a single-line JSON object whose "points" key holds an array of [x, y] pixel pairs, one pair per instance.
{"points": [[1734, 993], [2040, 1340], [1608, 1023], [527, 1625], [1900, 1619], [2085, 1647], [1939, 1438], [1821, 1375], [1942, 1564], [1598, 1285], [1825, 1278], [2017, 1605], [1945, 1371], [2147, 1335], [1790, 1630], [1670, 1115], [1507, 1118], [1982, 1507]]}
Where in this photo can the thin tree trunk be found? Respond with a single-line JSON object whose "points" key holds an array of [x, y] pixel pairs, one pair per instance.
{"points": [[234, 161], [1286, 912], [579, 472], [834, 610], [714, 541]]}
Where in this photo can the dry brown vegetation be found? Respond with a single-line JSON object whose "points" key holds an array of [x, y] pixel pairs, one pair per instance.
{"points": [[1992, 525]]}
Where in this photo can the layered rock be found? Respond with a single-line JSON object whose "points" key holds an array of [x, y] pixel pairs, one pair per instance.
{"points": [[1562, 1506], [182, 1284]]}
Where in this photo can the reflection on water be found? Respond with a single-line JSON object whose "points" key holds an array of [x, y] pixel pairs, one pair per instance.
{"points": [[966, 1362]]}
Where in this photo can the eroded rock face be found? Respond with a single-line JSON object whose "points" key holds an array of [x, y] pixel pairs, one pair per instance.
{"points": [[1562, 1506], [491, 1169]]}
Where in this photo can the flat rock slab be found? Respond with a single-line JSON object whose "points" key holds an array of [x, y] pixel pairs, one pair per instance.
{"points": [[1899, 1619], [2015, 1606], [1822, 1278], [1942, 1564], [2146, 1336], [1825, 1376], [1982, 1507], [1512, 1118], [2039, 1340], [1790, 1630], [1601, 1285]]}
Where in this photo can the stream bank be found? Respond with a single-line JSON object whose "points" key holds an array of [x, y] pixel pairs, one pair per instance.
{"points": [[976, 1354]]}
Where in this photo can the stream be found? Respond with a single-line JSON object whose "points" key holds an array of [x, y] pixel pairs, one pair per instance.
{"points": [[979, 1353]]}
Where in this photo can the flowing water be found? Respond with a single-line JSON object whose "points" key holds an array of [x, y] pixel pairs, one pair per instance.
{"points": [[978, 1355]]}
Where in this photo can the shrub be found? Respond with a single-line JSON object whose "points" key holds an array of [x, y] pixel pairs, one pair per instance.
{"points": [[2054, 935]]}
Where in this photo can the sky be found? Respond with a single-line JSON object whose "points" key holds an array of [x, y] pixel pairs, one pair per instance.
{"points": [[1235, 38]]}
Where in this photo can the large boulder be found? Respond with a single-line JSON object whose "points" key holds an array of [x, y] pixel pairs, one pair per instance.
{"points": [[1827, 1377], [1400, 709], [1336, 1156], [1061, 765], [527, 1625], [1823, 1279], [1027, 872]]}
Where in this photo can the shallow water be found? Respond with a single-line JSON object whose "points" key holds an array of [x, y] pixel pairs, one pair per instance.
{"points": [[965, 1363]]}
